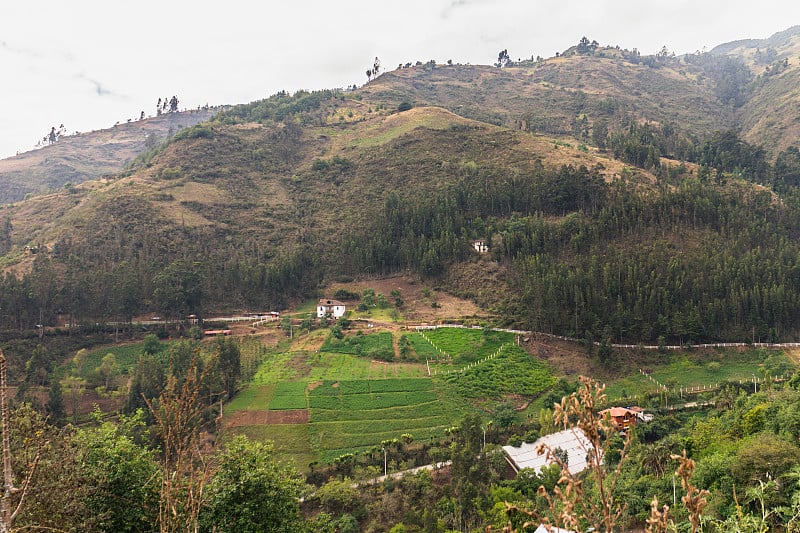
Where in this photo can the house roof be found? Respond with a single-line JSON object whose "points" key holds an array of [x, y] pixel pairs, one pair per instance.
{"points": [[325, 301], [573, 441], [551, 529], [615, 412]]}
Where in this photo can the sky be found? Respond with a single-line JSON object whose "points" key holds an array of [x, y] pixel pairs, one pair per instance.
{"points": [[88, 64]]}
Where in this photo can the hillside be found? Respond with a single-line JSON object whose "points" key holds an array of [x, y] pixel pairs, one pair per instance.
{"points": [[617, 200], [770, 115], [88, 156]]}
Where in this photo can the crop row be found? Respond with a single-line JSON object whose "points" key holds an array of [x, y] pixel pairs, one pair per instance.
{"points": [[466, 345], [366, 402], [285, 402], [347, 387], [418, 410], [511, 372], [349, 436]]}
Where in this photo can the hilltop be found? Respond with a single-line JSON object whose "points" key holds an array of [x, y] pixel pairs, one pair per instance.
{"points": [[89, 156]]}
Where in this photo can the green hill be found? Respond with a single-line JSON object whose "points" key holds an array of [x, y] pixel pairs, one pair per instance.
{"points": [[618, 200]]}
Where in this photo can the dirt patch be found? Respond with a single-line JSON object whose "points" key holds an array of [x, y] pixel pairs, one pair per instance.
{"points": [[300, 364], [417, 298], [257, 418], [295, 416], [566, 358]]}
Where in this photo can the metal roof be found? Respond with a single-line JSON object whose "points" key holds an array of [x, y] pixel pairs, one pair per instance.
{"points": [[572, 441]]}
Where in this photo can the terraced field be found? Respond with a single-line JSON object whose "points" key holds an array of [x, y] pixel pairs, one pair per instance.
{"points": [[355, 415], [322, 404]]}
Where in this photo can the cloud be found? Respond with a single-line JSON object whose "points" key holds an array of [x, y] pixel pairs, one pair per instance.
{"points": [[458, 5], [99, 87], [25, 52]]}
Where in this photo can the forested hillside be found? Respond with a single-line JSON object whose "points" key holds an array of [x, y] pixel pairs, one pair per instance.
{"points": [[618, 198]]}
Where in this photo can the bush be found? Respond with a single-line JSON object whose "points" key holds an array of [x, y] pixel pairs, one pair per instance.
{"points": [[194, 132], [404, 106]]}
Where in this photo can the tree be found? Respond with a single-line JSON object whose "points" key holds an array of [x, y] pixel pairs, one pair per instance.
{"points": [[147, 381], [55, 404], [173, 104], [9, 509], [252, 491], [108, 369], [503, 59], [376, 67], [504, 414], [185, 470], [229, 363], [75, 387], [122, 473], [177, 289]]}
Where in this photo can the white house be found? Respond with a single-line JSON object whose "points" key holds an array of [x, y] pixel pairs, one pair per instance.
{"points": [[330, 308], [480, 246], [551, 529]]}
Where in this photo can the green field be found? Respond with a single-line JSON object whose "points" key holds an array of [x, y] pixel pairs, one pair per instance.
{"points": [[512, 371], [355, 402], [690, 370], [289, 395], [355, 415], [291, 442], [125, 355], [373, 346], [252, 398], [465, 345], [423, 348]]}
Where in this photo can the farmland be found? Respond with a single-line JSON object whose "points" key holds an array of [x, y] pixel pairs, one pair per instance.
{"points": [[355, 401]]}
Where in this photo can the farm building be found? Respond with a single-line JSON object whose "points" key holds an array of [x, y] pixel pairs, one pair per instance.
{"points": [[330, 308], [625, 417], [572, 441], [480, 246]]}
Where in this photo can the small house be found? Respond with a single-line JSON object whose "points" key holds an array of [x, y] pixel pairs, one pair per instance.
{"points": [[480, 246], [624, 417], [330, 309]]}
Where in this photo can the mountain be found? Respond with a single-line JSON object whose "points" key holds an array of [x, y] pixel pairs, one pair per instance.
{"points": [[622, 197], [89, 156], [769, 117]]}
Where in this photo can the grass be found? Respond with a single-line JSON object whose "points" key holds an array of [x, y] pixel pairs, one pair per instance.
{"points": [[374, 345], [289, 395], [276, 368], [689, 370], [423, 348], [397, 125], [253, 398], [466, 345], [330, 366], [291, 442]]}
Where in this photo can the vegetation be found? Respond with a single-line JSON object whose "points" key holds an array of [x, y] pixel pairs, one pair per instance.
{"points": [[623, 199]]}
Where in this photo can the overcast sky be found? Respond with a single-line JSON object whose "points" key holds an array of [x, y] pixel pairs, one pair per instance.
{"points": [[90, 63]]}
